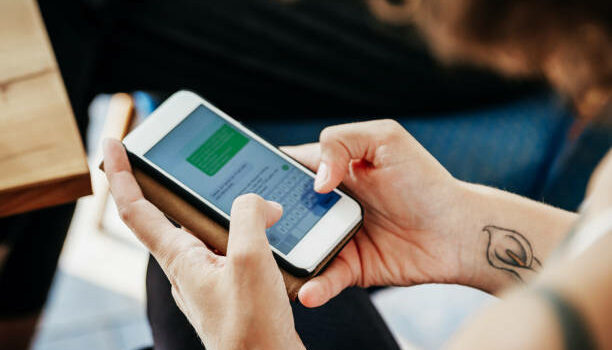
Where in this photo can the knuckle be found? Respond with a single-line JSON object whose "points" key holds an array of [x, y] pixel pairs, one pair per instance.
{"points": [[391, 126], [242, 260], [177, 263], [129, 211], [329, 134], [125, 213], [391, 129]]}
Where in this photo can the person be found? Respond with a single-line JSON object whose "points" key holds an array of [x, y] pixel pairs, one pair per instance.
{"points": [[421, 224], [585, 83], [430, 228], [262, 61]]}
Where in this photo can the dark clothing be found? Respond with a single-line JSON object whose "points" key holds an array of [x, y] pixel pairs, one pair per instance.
{"points": [[260, 58]]}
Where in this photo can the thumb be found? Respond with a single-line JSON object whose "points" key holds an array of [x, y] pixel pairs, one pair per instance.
{"points": [[250, 216], [333, 280]]}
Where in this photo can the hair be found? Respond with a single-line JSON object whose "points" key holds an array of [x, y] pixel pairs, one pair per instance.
{"points": [[569, 42]]}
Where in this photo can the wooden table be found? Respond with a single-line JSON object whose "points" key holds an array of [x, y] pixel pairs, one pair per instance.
{"points": [[42, 161]]}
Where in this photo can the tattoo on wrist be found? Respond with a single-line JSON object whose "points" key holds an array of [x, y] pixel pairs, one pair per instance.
{"points": [[510, 251]]}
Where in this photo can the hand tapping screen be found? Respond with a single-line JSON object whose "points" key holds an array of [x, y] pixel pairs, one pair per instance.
{"points": [[219, 162]]}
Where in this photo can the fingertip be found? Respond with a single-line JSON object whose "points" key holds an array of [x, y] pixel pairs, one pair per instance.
{"points": [[321, 182], [304, 296], [310, 294], [275, 205], [273, 213]]}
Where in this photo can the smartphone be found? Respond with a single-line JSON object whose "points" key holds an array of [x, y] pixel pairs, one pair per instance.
{"points": [[209, 159]]}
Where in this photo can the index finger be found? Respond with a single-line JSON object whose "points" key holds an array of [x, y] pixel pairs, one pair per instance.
{"points": [[308, 154], [146, 221], [342, 144]]}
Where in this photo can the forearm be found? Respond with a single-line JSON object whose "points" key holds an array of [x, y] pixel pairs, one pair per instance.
{"points": [[506, 237], [530, 319], [568, 305]]}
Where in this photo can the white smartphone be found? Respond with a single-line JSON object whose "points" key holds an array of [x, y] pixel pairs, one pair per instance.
{"points": [[210, 159]]}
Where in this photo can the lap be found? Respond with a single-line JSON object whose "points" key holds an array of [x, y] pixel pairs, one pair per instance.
{"points": [[349, 321]]}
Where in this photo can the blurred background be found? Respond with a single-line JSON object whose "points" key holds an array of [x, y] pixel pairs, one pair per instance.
{"points": [[287, 70]]}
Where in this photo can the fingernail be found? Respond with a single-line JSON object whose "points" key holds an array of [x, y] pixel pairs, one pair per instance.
{"points": [[322, 177], [276, 205]]}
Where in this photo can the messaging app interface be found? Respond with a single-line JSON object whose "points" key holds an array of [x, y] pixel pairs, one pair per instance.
{"points": [[219, 162]]}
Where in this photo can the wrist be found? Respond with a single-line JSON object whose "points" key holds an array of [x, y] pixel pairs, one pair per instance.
{"points": [[497, 223], [455, 221], [487, 210], [465, 225], [479, 207]]}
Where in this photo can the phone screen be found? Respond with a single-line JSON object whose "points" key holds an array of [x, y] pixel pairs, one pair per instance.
{"points": [[219, 162]]}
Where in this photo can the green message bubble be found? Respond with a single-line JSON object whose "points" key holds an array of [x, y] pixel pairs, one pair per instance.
{"points": [[217, 150]]}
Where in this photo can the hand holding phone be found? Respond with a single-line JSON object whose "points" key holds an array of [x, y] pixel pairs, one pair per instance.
{"points": [[409, 201], [209, 159], [235, 299]]}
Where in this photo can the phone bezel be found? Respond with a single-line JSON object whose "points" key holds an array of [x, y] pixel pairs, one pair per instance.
{"points": [[346, 214]]}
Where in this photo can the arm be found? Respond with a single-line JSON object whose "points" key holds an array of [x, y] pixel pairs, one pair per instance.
{"points": [[574, 311], [527, 320], [542, 226], [237, 301], [512, 236]]}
